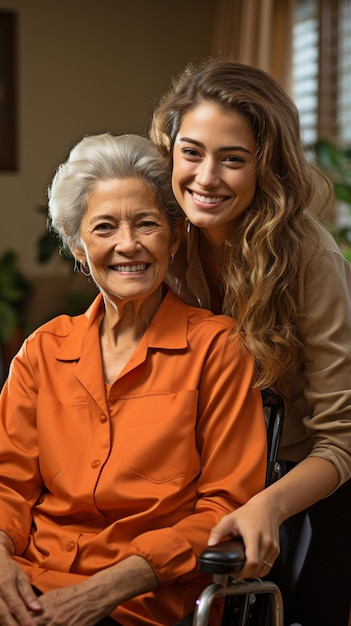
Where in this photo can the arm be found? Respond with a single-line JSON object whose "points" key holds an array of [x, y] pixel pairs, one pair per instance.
{"points": [[258, 521], [18, 453], [327, 391], [17, 597]]}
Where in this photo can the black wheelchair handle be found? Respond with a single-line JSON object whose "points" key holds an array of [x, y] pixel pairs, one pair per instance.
{"points": [[226, 558]]}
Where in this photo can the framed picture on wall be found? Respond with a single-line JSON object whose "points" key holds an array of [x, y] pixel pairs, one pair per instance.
{"points": [[8, 117]]}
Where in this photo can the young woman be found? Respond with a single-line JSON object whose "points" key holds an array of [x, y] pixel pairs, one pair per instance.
{"points": [[253, 250]]}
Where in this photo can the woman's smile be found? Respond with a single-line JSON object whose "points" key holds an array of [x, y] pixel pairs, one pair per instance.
{"points": [[130, 269], [208, 201]]}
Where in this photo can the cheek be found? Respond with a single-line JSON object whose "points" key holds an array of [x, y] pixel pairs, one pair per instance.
{"points": [[248, 186], [95, 257], [162, 249], [174, 176], [178, 181], [181, 169]]}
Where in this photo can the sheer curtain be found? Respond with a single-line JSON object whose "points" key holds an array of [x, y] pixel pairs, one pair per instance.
{"points": [[256, 32]]}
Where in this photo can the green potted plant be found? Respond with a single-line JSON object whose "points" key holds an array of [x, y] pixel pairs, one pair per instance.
{"points": [[14, 290], [336, 163]]}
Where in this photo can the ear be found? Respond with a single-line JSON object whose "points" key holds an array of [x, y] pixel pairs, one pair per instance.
{"points": [[79, 255]]}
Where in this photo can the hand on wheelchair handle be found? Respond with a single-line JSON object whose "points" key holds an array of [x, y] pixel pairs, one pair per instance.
{"points": [[255, 526], [227, 558]]}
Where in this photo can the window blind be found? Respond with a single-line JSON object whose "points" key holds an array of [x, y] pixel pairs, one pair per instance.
{"points": [[305, 67], [344, 74], [322, 69]]}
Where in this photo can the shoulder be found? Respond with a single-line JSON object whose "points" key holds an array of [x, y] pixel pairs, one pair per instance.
{"points": [[45, 342], [207, 338], [322, 255], [200, 316], [55, 332], [60, 326], [207, 331], [325, 285], [319, 240], [204, 317]]}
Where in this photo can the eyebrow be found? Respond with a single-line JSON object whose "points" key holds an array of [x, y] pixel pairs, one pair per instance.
{"points": [[223, 149], [152, 212]]}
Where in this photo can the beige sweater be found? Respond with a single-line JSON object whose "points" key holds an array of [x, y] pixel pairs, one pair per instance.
{"points": [[319, 423]]}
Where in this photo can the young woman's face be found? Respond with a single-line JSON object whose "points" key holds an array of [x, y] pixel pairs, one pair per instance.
{"points": [[127, 240], [214, 167]]}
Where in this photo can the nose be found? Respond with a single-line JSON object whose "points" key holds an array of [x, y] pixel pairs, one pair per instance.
{"points": [[126, 241], [207, 174]]}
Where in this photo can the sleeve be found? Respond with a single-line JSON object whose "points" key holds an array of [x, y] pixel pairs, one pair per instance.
{"points": [[231, 439], [20, 481], [328, 371]]}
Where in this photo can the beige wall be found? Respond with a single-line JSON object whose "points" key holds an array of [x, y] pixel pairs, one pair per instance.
{"points": [[87, 66], [84, 66]]}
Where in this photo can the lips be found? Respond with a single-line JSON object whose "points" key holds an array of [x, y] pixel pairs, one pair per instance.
{"points": [[130, 269], [208, 199]]}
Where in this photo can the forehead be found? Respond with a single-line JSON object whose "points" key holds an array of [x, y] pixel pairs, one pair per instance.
{"points": [[206, 116], [128, 193]]}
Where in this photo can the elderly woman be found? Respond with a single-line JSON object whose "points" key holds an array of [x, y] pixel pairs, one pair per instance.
{"points": [[124, 431]]}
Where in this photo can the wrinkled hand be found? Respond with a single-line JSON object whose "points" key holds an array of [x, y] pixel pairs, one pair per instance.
{"points": [[18, 602], [259, 529], [82, 604], [88, 602]]}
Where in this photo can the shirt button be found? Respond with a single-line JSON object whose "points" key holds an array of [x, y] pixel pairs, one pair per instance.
{"points": [[103, 419], [95, 464], [70, 546]]}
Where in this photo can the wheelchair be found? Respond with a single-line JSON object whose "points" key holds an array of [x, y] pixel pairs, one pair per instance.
{"points": [[224, 560]]}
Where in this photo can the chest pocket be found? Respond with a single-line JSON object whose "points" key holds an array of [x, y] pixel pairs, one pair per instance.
{"points": [[156, 436]]}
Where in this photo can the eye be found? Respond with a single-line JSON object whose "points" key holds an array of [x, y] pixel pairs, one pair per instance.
{"points": [[148, 224], [102, 227], [235, 159], [190, 152]]}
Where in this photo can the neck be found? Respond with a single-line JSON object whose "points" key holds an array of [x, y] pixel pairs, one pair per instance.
{"points": [[210, 260], [129, 318], [213, 238], [121, 331]]}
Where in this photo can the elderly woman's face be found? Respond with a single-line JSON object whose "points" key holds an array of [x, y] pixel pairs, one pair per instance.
{"points": [[127, 240]]}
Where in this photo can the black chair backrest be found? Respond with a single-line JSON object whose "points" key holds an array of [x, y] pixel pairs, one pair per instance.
{"points": [[275, 419]]}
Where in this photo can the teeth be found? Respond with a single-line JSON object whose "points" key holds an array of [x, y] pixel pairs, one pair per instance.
{"points": [[207, 199], [131, 268]]}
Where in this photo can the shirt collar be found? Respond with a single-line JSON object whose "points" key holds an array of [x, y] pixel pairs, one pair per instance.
{"points": [[167, 330]]}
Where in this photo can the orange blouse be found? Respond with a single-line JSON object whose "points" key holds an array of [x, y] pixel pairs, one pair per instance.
{"points": [[91, 474]]}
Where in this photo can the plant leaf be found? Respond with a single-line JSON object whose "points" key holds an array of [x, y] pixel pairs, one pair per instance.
{"points": [[8, 321]]}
